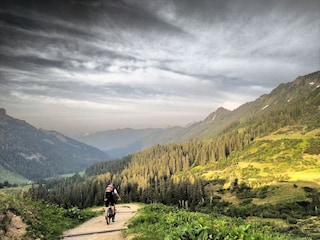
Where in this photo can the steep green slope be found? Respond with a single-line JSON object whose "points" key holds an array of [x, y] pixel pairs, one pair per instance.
{"points": [[10, 177], [300, 96]]}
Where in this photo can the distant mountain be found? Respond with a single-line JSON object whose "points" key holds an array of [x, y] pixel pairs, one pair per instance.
{"points": [[106, 140], [121, 142], [34, 153]]}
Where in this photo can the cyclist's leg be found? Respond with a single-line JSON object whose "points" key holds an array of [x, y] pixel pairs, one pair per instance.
{"points": [[112, 204], [107, 206]]}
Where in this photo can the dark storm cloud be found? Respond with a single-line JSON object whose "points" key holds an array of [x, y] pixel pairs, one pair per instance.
{"points": [[153, 57], [29, 62]]}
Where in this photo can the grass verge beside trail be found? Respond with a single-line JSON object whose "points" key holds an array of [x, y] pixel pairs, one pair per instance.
{"points": [[45, 221], [158, 222]]}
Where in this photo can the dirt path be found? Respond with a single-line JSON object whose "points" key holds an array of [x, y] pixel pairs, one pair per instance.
{"points": [[97, 228]]}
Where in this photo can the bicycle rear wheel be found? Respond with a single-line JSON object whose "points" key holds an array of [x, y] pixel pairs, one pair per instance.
{"points": [[109, 215]]}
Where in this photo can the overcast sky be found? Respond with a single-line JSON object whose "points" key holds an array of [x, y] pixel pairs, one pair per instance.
{"points": [[84, 66]]}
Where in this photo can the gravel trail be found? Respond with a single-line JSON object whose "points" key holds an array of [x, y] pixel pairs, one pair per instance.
{"points": [[97, 228]]}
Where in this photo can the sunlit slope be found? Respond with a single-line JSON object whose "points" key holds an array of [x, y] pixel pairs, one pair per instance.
{"points": [[285, 155]]}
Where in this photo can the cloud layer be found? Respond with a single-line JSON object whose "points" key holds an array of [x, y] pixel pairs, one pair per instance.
{"points": [[95, 65]]}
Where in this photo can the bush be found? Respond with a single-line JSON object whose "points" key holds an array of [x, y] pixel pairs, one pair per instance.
{"points": [[292, 220]]}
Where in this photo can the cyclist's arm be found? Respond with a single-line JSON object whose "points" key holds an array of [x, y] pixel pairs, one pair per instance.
{"points": [[116, 193]]}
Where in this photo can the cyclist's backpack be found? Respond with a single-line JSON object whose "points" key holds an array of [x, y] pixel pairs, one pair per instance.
{"points": [[109, 188]]}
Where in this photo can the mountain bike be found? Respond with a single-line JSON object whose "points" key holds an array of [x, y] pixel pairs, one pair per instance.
{"points": [[109, 216]]}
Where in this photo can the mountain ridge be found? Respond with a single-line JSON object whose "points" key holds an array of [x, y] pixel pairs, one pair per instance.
{"points": [[35, 153], [25, 148], [221, 118]]}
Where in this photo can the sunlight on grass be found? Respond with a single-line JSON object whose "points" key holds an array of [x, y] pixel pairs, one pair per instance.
{"points": [[158, 221], [274, 222], [307, 175], [291, 132], [282, 192], [15, 190]]}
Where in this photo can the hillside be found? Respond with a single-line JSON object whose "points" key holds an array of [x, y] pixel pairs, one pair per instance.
{"points": [[302, 93], [270, 145], [34, 153], [263, 168], [119, 143]]}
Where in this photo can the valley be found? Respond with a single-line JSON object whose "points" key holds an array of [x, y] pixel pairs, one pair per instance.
{"points": [[258, 173]]}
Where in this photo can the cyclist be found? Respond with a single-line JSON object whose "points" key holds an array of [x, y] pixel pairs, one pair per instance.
{"points": [[109, 197]]}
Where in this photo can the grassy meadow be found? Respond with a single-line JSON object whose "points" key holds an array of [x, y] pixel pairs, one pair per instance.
{"points": [[282, 156]]}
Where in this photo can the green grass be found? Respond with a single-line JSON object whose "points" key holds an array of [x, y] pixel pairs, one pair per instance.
{"points": [[15, 190], [12, 178], [283, 156], [67, 175], [72, 174], [45, 221], [282, 193], [158, 222]]}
